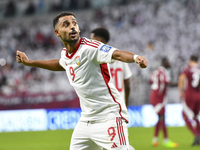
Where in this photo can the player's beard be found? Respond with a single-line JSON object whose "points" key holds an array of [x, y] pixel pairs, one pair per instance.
{"points": [[71, 40]]}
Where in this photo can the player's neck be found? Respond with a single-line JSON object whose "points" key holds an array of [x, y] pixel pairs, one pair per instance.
{"points": [[70, 47], [193, 63]]}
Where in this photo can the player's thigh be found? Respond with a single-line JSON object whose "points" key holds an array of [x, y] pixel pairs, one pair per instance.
{"points": [[111, 135], [193, 102], [155, 99], [159, 106], [188, 108], [81, 137], [131, 147]]}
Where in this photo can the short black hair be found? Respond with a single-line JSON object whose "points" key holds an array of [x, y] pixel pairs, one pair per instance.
{"points": [[194, 58], [165, 62], [55, 20], [164, 59], [102, 32]]}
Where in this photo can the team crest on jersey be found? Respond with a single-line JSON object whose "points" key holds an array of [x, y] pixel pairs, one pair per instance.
{"points": [[78, 60], [105, 48]]}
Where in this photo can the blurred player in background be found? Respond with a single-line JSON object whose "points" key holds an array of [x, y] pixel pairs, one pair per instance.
{"points": [[120, 71], [104, 116], [189, 91], [159, 81]]}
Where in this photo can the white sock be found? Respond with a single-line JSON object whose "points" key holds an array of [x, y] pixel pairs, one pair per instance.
{"points": [[155, 139], [166, 140]]}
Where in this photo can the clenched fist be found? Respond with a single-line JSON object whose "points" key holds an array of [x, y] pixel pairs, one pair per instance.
{"points": [[143, 63], [22, 58]]}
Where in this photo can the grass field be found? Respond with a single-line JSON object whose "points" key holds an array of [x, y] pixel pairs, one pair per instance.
{"points": [[140, 139]]}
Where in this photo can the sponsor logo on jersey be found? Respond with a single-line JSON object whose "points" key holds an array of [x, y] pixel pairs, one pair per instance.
{"points": [[78, 60], [105, 48]]}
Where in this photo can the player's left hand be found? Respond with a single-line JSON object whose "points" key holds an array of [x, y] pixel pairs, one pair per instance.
{"points": [[22, 58], [143, 63]]}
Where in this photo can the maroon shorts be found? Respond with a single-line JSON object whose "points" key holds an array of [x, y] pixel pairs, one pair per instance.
{"points": [[192, 100], [158, 103]]}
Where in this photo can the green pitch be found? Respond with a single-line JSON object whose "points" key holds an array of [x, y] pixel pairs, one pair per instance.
{"points": [[140, 139]]}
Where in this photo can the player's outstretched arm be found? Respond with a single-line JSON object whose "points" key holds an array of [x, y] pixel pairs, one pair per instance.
{"points": [[129, 57], [45, 64]]}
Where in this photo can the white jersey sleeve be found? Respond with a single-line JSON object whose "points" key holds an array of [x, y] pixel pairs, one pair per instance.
{"points": [[61, 61], [103, 54]]}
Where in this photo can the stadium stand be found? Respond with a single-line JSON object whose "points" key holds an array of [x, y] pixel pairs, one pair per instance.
{"points": [[151, 28]]}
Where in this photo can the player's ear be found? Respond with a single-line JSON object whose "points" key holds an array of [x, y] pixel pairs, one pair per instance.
{"points": [[56, 33]]}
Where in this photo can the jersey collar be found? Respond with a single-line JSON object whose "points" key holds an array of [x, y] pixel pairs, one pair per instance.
{"points": [[74, 52]]}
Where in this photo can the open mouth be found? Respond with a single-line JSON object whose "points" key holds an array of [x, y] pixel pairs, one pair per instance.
{"points": [[73, 34]]}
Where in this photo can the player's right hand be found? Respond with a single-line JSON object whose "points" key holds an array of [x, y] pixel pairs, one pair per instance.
{"points": [[21, 57]]}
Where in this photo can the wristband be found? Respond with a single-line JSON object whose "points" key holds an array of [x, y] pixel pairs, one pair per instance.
{"points": [[134, 57]]}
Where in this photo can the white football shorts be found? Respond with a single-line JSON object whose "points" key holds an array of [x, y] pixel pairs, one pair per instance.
{"points": [[97, 135]]}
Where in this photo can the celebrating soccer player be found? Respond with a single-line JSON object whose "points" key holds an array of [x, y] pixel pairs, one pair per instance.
{"points": [[104, 117]]}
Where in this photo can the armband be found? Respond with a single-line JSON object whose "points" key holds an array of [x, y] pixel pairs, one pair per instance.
{"points": [[134, 57]]}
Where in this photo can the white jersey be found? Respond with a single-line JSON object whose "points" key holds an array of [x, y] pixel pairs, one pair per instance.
{"points": [[88, 73], [120, 71]]}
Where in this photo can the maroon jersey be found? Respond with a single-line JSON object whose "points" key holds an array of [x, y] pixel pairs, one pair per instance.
{"points": [[192, 89], [159, 80]]}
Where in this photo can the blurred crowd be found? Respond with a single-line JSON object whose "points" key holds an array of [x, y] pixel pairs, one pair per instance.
{"points": [[15, 8], [152, 29]]}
